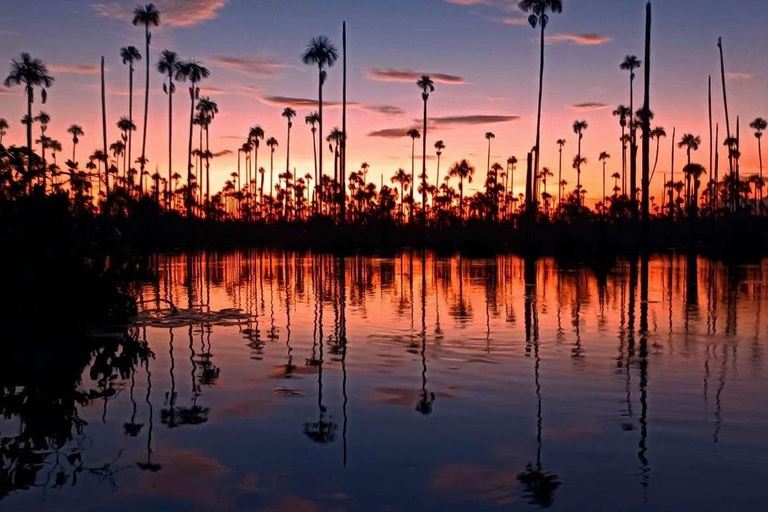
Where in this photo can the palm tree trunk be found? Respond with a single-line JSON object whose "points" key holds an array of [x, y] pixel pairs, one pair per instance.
{"points": [[207, 167], [672, 177], [104, 127], [424, 165], [130, 114], [538, 115], [146, 111], [288, 170], [29, 134], [632, 147], [314, 189], [320, 133], [189, 151], [343, 155], [170, 137], [727, 121], [646, 174]]}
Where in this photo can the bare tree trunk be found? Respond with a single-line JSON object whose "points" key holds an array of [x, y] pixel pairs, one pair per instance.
{"points": [[104, 127], [647, 119]]}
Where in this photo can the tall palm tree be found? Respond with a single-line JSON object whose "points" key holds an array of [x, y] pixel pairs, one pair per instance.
{"points": [[427, 86], [193, 72], [42, 119], [148, 16], [320, 52], [631, 63], [414, 134], [404, 179], [464, 171], [255, 136], [3, 127], [560, 144], [207, 109], [439, 147], [578, 129], [126, 127], [288, 114], [691, 143], [76, 131], [623, 113], [489, 136], [30, 73], [272, 144], [168, 65], [538, 16], [130, 55], [657, 133], [312, 119], [604, 157], [759, 125]]}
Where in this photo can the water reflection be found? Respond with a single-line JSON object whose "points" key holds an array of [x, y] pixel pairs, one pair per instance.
{"points": [[412, 372]]}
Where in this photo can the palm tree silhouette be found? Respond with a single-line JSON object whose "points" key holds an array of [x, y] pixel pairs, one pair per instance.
{"points": [[691, 143], [168, 65], [560, 144], [427, 86], [207, 109], [272, 144], [578, 129], [759, 125], [623, 113], [255, 136], [489, 136], [538, 16], [320, 52], [289, 114], [130, 55], [414, 134], [657, 133], [194, 72], [76, 131], [312, 119], [149, 16], [631, 63], [604, 157], [3, 129], [439, 147], [464, 171], [30, 73]]}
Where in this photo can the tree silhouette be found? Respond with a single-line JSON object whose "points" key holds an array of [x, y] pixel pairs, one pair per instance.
{"points": [[427, 86], [193, 72], [148, 16], [168, 65], [631, 63]]}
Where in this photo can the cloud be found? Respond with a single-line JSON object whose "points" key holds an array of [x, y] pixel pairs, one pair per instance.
{"points": [[75, 69], [222, 153], [589, 106], [288, 101], [578, 39], [390, 133], [410, 75], [471, 120], [739, 77], [510, 20], [5, 90], [258, 67], [468, 2], [173, 13]]}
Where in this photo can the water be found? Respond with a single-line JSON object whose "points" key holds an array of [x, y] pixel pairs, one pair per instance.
{"points": [[292, 382]]}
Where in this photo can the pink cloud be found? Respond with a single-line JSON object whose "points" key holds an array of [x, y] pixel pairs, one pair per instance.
{"points": [[174, 13], [258, 67], [579, 39], [75, 69], [410, 75]]}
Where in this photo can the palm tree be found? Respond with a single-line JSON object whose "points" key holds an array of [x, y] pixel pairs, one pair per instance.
{"points": [[207, 109], [255, 136], [560, 144], [272, 143], [759, 125], [312, 119], [623, 113], [126, 127], [149, 16], [404, 180], [463, 170], [604, 156], [578, 129], [30, 73], [288, 114], [693, 174], [130, 55], [631, 63], [489, 136], [3, 128], [320, 52], [194, 72], [427, 86], [691, 143], [414, 134], [657, 133], [76, 131], [43, 119], [439, 147], [538, 16], [169, 66]]}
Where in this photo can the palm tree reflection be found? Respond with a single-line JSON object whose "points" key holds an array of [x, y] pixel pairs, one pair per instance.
{"points": [[427, 399]]}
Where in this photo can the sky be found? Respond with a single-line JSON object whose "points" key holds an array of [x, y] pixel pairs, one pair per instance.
{"points": [[481, 53]]}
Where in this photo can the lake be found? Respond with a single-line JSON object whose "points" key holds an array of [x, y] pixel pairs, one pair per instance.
{"points": [[260, 380]]}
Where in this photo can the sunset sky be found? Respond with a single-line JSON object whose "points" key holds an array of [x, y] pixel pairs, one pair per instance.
{"points": [[481, 53]]}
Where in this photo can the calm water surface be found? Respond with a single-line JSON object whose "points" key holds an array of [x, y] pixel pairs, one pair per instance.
{"points": [[289, 382]]}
